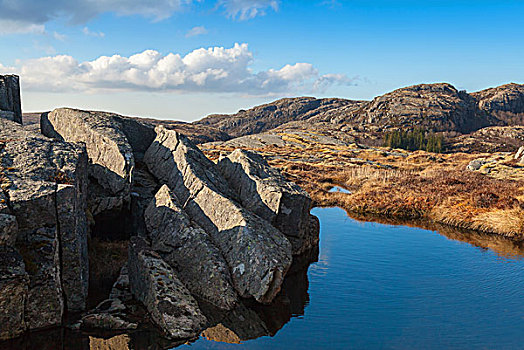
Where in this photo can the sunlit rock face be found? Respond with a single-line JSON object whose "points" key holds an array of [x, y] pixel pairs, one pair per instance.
{"points": [[258, 254]]}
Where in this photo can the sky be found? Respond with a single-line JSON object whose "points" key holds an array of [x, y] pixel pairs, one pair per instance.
{"points": [[185, 59]]}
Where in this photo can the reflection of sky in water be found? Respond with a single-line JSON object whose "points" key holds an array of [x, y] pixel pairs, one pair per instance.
{"points": [[394, 287], [339, 189]]}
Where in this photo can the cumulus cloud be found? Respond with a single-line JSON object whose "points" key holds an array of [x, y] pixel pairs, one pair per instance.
{"points": [[195, 31], [215, 69], [247, 9]]}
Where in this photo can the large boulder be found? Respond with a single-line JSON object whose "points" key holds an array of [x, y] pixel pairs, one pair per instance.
{"points": [[10, 107], [263, 190], [111, 160], [182, 243], [169, 303], [44, 183], [258, 254], [13, 293]]}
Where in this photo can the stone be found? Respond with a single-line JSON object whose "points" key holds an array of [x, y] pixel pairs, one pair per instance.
{"points": [[169, 303], [106, 321], [181, 243], [111, 160], [266, 192], [10, 106], [476, 164], [45, 299], [120, 288], [13, 293], [44, 183], [8, 229], [257, 254]]}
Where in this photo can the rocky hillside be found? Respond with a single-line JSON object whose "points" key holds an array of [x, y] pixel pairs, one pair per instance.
{"points": [[436, 107], [269, 116]]}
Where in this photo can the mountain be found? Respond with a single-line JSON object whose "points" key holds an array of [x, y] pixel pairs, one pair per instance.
{"points": [[434, 107]]}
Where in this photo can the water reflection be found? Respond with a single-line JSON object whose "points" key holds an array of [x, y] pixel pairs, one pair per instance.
{"points": [[502, 246], [249, 320]]}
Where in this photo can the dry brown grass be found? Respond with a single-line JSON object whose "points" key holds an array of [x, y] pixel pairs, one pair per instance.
{"points": [[405, 185]]}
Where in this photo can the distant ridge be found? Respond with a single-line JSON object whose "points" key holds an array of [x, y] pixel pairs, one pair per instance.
{"points": [[436, 107]]}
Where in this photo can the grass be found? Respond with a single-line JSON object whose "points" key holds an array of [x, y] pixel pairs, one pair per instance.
{"points": [[407, 185]]}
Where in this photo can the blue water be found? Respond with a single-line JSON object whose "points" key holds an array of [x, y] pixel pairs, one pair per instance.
{"points": [[394, 287]]}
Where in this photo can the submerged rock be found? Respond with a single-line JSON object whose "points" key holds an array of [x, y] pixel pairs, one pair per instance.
{"points": [[10, 106], [168, 302], [258, 254], [13, 293], [182, 244], [263, 190]]}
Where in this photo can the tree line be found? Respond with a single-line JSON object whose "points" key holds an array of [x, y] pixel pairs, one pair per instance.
{"points": [[417, 139]]}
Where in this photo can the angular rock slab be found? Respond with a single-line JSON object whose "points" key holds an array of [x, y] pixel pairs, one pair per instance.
{"points": [[44, 185], [10, 106], [263, 190], [13, 293], [258, 254], [189, 250], [168, 302], [111, 160]]}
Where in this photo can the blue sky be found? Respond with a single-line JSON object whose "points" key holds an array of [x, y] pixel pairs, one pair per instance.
{"points": [[184, 59]]}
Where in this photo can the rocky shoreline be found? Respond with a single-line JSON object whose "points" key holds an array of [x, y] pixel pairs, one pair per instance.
{"points": [[199, 233]]}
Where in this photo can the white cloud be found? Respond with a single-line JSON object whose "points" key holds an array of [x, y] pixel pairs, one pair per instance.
{"points": [[8, 26], [215, 69], [88, 32], [247, 9], [195, 31]]}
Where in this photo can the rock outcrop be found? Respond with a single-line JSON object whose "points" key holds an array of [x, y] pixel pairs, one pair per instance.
{"points": [[10, 107], [169, 303], [271, 115], [182, 243], [258, 254], [264, 191], [505, 102], [110, 154], [44, 186]]}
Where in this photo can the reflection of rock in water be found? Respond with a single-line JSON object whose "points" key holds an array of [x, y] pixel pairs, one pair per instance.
{"points": [[250, 320], [119, 342]]}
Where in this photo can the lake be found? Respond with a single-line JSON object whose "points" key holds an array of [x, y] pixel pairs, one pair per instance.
{"points": [[381, 286], [370, 286]]}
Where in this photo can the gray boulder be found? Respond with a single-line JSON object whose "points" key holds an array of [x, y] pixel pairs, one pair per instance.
{"points": [[44, 183], [13, 293], [111, 160], [169, 303], [266, 192], [182, 243], [10, 106], [258, 254]]}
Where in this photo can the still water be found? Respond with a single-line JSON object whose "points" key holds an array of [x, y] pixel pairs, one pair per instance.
{"points": [[370, 286], [394, 287]]}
